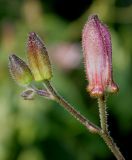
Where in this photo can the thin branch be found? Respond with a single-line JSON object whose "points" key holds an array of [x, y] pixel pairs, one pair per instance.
{"points": [[89, 125], [105, 133]]}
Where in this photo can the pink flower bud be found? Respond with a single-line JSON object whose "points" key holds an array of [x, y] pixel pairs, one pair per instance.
{"points": [[97, 49]]}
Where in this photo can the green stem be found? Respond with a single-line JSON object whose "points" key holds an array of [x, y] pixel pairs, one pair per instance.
{"points": [[112, 146], [105, 133], [89, 125], [103, 113]]}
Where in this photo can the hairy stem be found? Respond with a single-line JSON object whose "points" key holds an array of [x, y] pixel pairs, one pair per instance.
{"points": [[103, 113], [112, 146], [105, 133], [89, 125]]}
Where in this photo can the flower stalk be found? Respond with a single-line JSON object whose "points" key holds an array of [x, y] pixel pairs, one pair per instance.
{"points": [[103, 113], [76, 114], [103, 131]]}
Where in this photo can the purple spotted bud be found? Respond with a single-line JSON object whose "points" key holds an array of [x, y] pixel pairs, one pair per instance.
{"points": [[19, 70], [38, 58], [97, 50]]}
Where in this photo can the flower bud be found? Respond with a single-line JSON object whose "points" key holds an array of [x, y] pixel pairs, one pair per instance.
{"points": [[28, 94], [38, 58], [97, 49], [19, 70]]}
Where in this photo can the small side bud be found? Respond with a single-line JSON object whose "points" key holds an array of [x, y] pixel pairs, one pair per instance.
{"points": [[19, 70], [38, 58], [28, 94], [44, 93]]}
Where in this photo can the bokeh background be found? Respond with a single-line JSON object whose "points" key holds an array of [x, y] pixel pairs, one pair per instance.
{"points": [[41, 129]]}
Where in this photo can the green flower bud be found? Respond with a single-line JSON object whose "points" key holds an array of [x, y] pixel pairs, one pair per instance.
{"points": [[19, 70], [38, 58]]}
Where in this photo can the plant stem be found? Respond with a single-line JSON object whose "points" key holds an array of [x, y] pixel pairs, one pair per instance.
{"points": [[112, 146], [103, 113], [89, 125], [105, 133]]}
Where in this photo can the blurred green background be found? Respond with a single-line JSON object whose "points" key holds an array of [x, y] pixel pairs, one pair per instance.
{"points": [[41, 129]]}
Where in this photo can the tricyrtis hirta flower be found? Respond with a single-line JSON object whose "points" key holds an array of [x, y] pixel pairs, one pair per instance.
{"points": [[19, 70], [96, 43], [38, 58]]}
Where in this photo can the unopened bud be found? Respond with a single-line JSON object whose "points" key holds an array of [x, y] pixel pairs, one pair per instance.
{"points": [[38, 58], [97, 49], [19, 70], [28, 94]]}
